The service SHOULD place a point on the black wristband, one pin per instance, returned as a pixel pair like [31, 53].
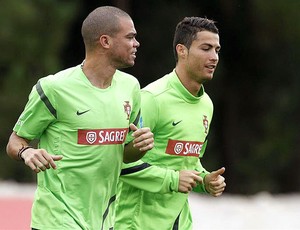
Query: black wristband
[21, 150]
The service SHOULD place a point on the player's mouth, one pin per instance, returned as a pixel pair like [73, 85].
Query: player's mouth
[211, 68]
[133, 54]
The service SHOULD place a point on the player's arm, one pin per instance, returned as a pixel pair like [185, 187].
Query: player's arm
[215, 183]
[139, 139]
[36, 117]
[141, 143]
[157, 179]
[16, 146]
[38, 160]
[200, 188]
[149, 177]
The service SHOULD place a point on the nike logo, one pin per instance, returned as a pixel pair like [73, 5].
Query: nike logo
[176, 123]
[80, 113]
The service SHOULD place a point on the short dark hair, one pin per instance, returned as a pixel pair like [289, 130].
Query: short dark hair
[102, 20]
[187, 29]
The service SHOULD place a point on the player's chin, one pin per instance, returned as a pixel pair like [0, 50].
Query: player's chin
[130, 64]
[127, 64]
[131, 61]
[209, 77]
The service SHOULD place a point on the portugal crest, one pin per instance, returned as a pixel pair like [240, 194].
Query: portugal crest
[127, 109]
[205, 123]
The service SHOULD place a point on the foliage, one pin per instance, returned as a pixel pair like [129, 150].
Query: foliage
[254, 133]
[31, 39]
[255, 89]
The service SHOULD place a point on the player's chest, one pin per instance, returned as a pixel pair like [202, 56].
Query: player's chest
[186, 122]
[97, 110]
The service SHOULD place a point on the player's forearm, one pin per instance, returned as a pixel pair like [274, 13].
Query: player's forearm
[149, 177]
[15, 144]
[132, 154]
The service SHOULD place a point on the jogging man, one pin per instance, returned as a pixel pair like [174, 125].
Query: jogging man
[179, 113]
[85, 119]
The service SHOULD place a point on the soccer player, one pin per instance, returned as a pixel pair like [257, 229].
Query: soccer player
[85, 119]
[179, 113]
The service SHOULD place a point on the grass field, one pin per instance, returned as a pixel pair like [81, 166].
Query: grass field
[229, 212]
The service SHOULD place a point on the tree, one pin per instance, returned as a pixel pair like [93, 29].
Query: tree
[31, 39]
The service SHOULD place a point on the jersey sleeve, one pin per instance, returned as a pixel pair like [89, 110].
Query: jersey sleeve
[37, 114]
[149, 177]
[200, 188]
[149, 111]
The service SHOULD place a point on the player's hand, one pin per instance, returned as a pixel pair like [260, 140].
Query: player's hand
[143, 138]
[188, 179]
[215, 182]
[39, 159]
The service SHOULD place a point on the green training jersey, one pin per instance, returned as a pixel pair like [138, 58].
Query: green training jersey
[180, 123]
[88, 126]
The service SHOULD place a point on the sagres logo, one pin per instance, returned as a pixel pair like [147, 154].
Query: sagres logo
[178, 148]
[184, 148]
[101, 136]
[91, 137]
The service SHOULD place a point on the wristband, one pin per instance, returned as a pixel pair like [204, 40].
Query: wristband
[21, 150]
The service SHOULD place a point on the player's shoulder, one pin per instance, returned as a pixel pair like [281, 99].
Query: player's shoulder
[205, 101]
[125, 78]
[159, 86]
[204, 95]
[57, 79]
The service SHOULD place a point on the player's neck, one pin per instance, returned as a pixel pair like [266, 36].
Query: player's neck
[99, 74]
[188, 82]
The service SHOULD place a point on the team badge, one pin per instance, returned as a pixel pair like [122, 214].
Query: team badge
[127, 109]
[205, 123]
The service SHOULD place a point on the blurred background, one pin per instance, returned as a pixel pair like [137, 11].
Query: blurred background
[255, 131]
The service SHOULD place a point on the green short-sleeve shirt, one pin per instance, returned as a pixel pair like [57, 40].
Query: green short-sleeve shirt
[88, 126]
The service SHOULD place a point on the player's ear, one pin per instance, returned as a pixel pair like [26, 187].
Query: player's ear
[104, 40]
[182, 51]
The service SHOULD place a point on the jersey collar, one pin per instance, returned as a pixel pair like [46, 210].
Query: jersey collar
[177, 85]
